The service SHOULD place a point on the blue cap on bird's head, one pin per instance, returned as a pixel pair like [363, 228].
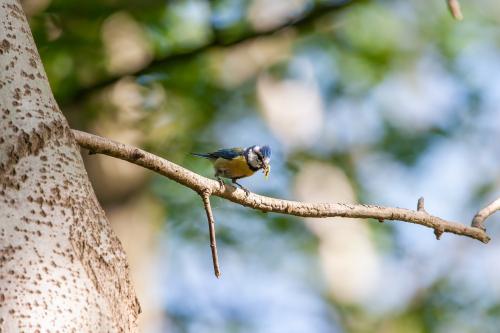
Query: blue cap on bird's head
[265, 151]
[264, 158]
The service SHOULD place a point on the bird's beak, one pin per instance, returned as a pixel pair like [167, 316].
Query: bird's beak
[267, 169]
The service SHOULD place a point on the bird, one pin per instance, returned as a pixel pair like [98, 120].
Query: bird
[237, 163]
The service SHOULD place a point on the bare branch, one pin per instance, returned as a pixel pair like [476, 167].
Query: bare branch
[454, 7]
[205, 196]
[200, 184]
[483, 214]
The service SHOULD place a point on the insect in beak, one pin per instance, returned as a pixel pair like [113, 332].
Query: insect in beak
[267, 170]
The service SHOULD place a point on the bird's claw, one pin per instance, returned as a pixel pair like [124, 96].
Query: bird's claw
[247, 191]
[221, 183]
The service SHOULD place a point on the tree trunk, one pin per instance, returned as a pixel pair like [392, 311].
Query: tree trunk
[61, 266]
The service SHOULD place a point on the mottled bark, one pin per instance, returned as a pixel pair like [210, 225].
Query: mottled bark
[61, 267]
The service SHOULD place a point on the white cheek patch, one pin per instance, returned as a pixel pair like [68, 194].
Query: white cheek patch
[253, 160]
[251, 155]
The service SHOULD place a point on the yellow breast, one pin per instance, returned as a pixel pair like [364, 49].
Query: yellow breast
[235, 168]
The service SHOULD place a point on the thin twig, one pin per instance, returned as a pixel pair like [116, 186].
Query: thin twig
[205, 196]
[420, 205]
[199, 184]
[438, 230]
[454, 7]
[483, 214]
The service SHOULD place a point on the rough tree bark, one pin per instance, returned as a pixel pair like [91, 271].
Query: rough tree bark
[61, 267]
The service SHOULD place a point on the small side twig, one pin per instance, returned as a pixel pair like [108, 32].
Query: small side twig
[483, 214]
[205, 196]
[454, 7]
[420, 205]
[438, 232]
[438, 229]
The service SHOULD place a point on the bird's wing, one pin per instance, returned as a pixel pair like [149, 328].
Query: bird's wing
[228, 154]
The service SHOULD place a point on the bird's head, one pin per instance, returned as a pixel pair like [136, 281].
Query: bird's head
[259, 157]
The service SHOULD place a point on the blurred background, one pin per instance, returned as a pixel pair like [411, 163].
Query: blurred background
[361, 101]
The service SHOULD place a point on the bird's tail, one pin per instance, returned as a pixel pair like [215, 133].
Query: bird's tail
[202, 155]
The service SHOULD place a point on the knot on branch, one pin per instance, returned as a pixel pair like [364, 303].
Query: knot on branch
[438, 231]
[137, 154]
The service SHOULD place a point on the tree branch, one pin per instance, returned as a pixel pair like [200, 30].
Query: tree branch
[454, 8]
[483, 214]
[201, 184]
[205, 196]
[304, 20]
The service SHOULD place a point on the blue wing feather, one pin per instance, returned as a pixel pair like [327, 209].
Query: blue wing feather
[227, 154]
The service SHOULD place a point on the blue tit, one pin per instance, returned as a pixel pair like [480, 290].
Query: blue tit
[237, 163]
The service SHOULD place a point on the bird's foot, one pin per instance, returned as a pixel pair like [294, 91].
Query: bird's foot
[221, 183]
[247, 191]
